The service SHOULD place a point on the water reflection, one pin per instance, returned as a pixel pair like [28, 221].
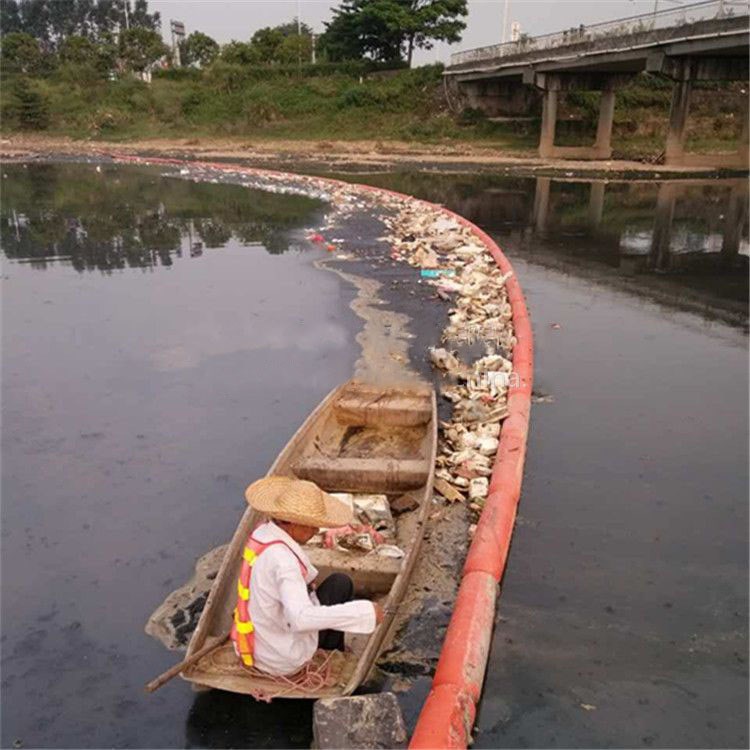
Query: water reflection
[684, 243]
[712, 219]
[222, 720]
[108, 218]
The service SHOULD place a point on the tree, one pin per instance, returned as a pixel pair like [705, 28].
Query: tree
[239, 53]
[28, 105]
[390, 30]
[295, 48]
[34, 18]
[365, 28]
[140, 47]
[20, 53]
[140, 16]
[433, 20]
[10, 16]
[80, 52]
[286, 43]
[293, 28]
[266, 43]
[198, 49]
[53, 21]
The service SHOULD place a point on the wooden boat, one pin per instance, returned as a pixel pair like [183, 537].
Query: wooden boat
[361, 439]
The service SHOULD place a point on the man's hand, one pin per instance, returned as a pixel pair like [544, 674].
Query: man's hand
[379, 613]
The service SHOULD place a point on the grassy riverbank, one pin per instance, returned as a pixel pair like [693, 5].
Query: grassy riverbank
[341, 103]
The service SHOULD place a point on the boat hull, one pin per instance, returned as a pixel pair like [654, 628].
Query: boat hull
[360, 438]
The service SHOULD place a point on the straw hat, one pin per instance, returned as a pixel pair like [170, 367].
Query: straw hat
[297, 501]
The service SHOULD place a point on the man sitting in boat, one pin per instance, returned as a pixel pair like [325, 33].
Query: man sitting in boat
[282, 617]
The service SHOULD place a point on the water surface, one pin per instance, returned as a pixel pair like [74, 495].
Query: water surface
[161, 342]
[163, 339]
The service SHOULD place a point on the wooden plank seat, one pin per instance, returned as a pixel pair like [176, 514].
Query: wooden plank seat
[383, 475]
[363, 405]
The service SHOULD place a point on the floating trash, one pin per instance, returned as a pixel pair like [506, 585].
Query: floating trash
[434, 273]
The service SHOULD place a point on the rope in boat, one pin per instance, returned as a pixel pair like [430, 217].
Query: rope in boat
[312, 678]
[317, 674]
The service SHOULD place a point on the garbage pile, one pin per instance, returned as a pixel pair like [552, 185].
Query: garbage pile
[464, 273]
[373, 531]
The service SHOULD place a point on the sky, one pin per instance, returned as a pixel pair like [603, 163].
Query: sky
[225, 20]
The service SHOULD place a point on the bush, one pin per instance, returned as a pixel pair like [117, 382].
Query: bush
[192, 101]
[20, 53]
[130, 93]
[178, 74]
[79, 74]
[166, 102]
[261, 112]
[226, 77]
[107, 120]
[28, 106]
[359, 96]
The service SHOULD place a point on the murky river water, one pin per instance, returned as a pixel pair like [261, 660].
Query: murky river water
[161, 341]
[136, 406]
[623, 617]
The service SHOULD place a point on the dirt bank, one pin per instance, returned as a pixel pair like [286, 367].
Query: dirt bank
[339, 155]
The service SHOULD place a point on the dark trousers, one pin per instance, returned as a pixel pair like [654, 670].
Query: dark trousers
[336, 589]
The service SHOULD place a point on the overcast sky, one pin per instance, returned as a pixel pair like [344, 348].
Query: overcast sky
[225, 20]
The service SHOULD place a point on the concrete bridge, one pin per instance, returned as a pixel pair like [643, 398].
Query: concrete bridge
[703, 41]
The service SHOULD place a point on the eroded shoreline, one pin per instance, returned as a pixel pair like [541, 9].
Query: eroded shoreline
[348, 156]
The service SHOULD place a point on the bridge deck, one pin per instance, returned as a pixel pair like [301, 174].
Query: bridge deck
[616, 48]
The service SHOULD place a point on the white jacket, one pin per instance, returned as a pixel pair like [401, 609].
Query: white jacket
[286, 617]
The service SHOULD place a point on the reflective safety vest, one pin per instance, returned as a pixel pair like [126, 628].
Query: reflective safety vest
[242, 632]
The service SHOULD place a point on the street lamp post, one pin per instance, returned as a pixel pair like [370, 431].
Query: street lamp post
[299, 33]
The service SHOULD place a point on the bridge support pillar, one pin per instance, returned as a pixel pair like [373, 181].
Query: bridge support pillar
[674, 152]
[603, 144]
[684, 71]
[549, 123]
[551, 86]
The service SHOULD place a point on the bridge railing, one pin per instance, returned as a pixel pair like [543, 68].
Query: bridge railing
[671, 17]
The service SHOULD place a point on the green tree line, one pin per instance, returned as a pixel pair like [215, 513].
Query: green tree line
[121, 35]
[135, 221]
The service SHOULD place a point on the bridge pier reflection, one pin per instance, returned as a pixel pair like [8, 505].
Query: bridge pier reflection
[541, 204]
[734, 222]
[541, 207]
[596, 203]
[661, 239]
